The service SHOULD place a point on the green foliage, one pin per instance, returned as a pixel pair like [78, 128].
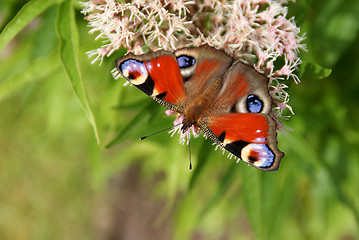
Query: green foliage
[53, 171]
[27, 13]
[69, 48]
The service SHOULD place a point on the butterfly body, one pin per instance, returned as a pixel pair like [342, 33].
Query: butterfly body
[228, 100]
[196, 109]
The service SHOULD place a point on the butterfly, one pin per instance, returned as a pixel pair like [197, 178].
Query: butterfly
[226, 99]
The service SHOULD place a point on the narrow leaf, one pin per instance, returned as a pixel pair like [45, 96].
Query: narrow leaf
[313, 71]
[203, 156]
[34, 71]
[144, 115]
[252, 198]
[27, 13]
[69, 47]
[223, 186]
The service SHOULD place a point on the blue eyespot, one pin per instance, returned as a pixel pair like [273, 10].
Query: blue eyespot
[254, 104]
[134, 71]
[185, 61]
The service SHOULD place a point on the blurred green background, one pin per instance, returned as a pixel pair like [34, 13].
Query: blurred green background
[56, 182]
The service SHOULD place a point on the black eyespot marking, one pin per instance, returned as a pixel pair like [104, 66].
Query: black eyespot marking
[252, 159]
[185, 79]
[236, 147]
[222, 136]
[185, 61]
[132, 69]
[147, 86]
[254, 104]
[161, 95]
[233, 109]
[130, 76]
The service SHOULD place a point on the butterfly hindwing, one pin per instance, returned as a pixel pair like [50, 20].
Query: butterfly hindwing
[240, 120]
[247, 136]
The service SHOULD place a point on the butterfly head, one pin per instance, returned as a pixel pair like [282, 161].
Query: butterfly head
[186, 124]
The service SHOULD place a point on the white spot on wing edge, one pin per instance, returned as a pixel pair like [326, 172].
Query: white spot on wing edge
[265, 155]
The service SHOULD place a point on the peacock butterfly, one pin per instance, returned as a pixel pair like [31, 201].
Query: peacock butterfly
[228, 100]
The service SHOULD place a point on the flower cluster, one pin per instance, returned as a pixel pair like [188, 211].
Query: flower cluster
[255, 31]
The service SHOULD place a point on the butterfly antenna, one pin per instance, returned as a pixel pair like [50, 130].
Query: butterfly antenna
[190, 159]
[142, 138]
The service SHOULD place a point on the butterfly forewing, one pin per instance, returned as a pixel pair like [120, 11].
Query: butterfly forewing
[209, 65]
[156, 74]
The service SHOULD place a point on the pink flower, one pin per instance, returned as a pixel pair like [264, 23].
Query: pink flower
[177, 128]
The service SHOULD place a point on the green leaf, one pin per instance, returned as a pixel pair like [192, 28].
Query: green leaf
[144, 115]
[34, 71]
[223, 186]
[27, 13]
[203, 156]
[313, 71]
[69, 47]
[331, 30]
[132, 105]
[252, 198]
